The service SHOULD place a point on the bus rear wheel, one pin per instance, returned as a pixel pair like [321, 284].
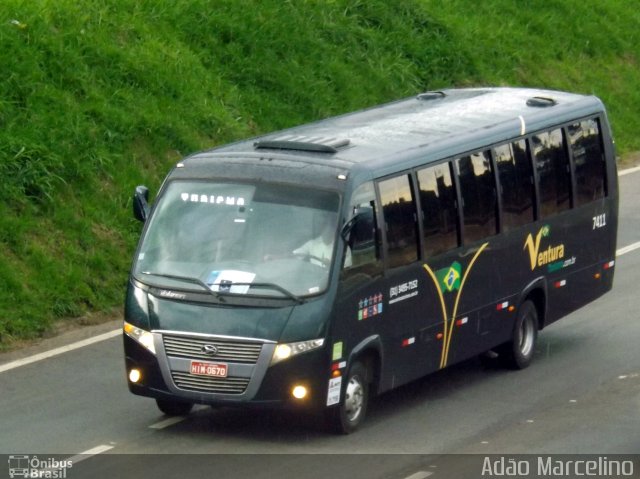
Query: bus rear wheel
[174, 408]
[518, 353]
[349, 414]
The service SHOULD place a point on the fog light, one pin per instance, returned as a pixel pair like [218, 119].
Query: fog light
[299, 392]
[135, 375]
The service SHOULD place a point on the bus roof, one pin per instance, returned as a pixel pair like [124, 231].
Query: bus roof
[388, 138]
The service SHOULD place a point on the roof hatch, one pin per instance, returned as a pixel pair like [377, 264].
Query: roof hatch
[431, 95]
[303, 143]
[541, 101]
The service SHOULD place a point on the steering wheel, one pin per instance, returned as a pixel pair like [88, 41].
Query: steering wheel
[316, 260]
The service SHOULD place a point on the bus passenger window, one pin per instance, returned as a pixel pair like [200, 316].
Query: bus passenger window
[478, 196]
[439, 212]
[399, 213]
[554, 172]
[588, 160]
[363, 251]
[516, 184]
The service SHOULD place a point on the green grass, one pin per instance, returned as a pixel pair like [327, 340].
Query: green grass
[97, 96]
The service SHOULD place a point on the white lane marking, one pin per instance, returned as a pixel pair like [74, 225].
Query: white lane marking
[629, 171]
[419, 475]
[628, 249]
[63, 349]
[168, 422]
[89, 453]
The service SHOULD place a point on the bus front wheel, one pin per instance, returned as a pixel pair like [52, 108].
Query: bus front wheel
[518, 353]
[349, 414]
[174, 408]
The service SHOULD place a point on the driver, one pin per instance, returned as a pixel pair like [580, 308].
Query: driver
[320, 249]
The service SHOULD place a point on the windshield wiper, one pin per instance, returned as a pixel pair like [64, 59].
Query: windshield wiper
[187, 279]
[272, 286]
[218, 294]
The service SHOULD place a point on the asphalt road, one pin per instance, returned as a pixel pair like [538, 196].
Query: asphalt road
[580, 396]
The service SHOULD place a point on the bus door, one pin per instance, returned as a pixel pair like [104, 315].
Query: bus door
[360, 300]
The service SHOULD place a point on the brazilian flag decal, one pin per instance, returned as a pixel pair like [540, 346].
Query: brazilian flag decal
[449, 278]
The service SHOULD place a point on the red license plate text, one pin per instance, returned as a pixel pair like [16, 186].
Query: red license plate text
[209, 369]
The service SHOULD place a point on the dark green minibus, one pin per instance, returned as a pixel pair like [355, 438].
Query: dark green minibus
[313, 267]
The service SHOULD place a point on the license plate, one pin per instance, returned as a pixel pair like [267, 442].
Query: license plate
[209, 369]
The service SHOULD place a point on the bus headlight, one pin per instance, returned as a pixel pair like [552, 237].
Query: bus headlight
[286, 350]
[142, 337]
[135, 375]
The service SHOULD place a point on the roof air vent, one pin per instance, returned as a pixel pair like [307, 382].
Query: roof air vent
[431, 95]
[303, 143]
[541, 101]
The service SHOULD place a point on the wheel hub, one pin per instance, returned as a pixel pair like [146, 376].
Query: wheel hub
[354, 399]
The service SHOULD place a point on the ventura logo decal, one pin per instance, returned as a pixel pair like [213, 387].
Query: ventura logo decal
[539, 258]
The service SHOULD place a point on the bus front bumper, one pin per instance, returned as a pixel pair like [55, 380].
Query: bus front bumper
[161, 377]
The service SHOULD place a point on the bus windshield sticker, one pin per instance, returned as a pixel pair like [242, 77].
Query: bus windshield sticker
[370, 306]
[337, 351]
[333, 393]
[403, 291]
[539, 258]
[213, 199]
[222, 281]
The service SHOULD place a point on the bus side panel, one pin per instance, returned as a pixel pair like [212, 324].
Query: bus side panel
[399, 309]
[469, 282]
[570, 252]
[585, 272]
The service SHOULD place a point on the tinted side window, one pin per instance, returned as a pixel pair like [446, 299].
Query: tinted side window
[553, 170]
[588, 160]
[439, 213]
[363, 252]
[478, 196]
[399, 215]
[516, 184]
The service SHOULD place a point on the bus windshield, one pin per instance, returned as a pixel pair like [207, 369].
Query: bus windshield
[250, 239]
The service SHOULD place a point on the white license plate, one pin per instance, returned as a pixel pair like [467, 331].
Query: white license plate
[209, 369]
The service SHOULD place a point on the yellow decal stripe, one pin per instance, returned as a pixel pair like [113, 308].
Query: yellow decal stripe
[455, 307]
[444, 310]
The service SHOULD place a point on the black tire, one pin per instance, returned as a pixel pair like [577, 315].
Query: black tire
[174, 408]
[349, 414]
[518, 353]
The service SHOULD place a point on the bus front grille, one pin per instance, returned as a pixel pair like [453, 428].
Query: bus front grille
[225, 350]
[192, 382]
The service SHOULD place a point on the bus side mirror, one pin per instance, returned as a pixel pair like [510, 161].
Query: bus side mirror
[345, 232]
[360, 228]
[141, 203]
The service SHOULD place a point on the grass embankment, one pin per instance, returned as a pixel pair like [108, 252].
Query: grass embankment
[96, 97]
